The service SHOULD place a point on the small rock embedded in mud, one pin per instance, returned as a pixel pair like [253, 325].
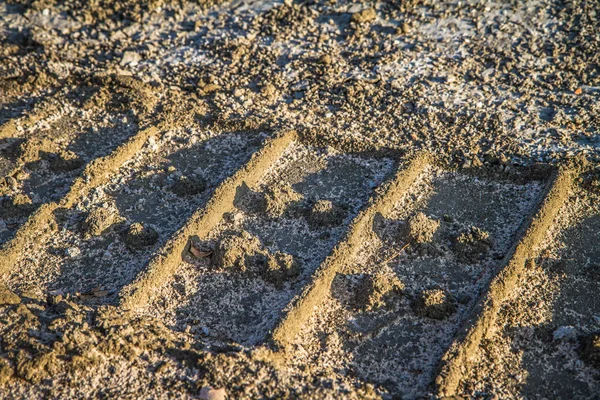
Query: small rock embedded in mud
[472, 245]
[374, 290]
[139, 236]
[73, 252]
[7, 297]
[189, 186]
[590, 349]
[364, 16]
[434, 303]
[200, 249]
[130, 58]
[99, 220]
[420, 228]
[564, 333]
[325, 213]
[208, 393]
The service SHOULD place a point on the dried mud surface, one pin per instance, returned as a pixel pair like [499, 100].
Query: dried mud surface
[120, 121]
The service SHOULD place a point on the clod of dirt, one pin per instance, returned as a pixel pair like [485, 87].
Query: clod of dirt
[420, 228]
[590, 349]
[240, 252]
[276, 201]
[189, 186]
[325, 213]
[99, 220]
[364, 16]
[64, 161]
[272, 203]
[6, 372]
[17, 205]
[472, 245]
[139, 236]
[7, 297]
[325, 59]
[374, 291]
[10, 182]
[434, 303]
[36, 369]
[280, 268]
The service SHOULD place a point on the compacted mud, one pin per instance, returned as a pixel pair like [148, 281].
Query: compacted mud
[426, 263]
[299, 199]
[546, 340]
[266, 249]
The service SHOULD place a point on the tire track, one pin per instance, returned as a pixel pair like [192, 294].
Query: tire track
[483, 317]
[162, 266]
[301, 311]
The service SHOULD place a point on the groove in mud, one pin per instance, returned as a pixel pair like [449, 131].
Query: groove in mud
[42, 161]
[109, 231]
[544, 341]
[42, 224]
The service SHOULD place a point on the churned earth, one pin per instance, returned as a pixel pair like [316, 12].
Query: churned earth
[299, 199]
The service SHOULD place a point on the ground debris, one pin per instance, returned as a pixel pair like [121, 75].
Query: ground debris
[374, 290]
[435, 304]
[139, 235]
[420, 228]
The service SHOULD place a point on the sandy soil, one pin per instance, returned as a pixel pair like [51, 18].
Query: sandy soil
[299, 199]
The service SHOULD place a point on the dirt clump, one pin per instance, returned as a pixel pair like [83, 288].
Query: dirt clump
[375, 290]
[435, 304]
[281, 267]
[189, 186]
[473, 244]
[243, 252]
[325, 213]
[364, 16]
[64, 161]
[590, 349]
[277, 200]
[420, 228]
[271, 203]
[99, 220]
[16, 206]
[6, 372]
[239, 251]
[138, 236]
[7, 297]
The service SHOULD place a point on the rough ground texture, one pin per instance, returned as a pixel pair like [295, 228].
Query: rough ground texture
[193, 89]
